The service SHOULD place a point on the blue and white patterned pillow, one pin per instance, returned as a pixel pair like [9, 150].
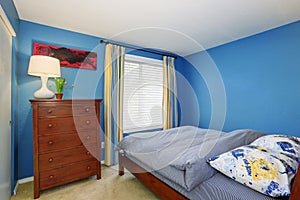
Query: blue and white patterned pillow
[285, 144]
[261, 168]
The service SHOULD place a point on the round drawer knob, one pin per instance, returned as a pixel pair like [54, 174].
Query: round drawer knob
[51, 177]
[50, 142]
[87, 110]
[88, 122]
[50, 125]
[88, 137]
[49, 111]
[88, 153]
[50, 160]
[88, 168]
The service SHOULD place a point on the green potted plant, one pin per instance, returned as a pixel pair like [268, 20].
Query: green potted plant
[59, 85]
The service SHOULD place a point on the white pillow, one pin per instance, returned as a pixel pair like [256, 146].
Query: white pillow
[266, 171]
[285, 144]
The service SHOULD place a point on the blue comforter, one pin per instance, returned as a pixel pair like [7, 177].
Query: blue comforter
[184, 151]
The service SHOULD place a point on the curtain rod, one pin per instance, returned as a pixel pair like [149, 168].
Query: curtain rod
[139, 49]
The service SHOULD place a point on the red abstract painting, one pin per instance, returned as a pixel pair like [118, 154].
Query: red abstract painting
[68, 57]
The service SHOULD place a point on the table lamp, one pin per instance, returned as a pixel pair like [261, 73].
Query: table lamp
[44, 66]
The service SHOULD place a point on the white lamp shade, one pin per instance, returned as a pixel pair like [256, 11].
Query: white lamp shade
[44, 66]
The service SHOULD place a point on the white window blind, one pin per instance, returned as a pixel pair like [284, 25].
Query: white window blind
[143, 91]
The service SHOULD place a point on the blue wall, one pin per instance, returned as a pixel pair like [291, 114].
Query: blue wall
[259, 77]
[11, 12]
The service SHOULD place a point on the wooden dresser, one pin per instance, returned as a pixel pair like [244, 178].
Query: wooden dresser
[66, 141]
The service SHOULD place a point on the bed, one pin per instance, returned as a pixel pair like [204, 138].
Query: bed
[173, 163]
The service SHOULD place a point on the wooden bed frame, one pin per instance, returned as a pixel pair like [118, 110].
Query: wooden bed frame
[164, 191]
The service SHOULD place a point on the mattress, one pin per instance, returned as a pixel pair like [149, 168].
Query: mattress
[181, 154]
[218, 187]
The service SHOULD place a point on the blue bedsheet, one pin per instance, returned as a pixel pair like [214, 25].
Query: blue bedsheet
[180, 154]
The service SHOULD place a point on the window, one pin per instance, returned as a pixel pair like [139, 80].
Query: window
[143, 92]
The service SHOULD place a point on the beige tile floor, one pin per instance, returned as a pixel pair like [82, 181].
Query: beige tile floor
[111, 186]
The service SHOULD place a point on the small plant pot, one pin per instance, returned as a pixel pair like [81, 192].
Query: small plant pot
[59, 95]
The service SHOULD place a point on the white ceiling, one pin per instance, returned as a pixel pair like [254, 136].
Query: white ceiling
[179, 26]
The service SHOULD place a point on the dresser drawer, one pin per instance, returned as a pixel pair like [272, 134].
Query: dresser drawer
[67, 124]
[68, 173]
[66, 110]
[63, 157]
[67, 140]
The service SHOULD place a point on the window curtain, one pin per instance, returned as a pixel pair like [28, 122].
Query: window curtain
[170, 112]
[113, 100]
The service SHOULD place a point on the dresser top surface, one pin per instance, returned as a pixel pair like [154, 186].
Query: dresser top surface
[64, 100]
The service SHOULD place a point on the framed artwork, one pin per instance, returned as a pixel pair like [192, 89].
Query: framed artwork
[68, 57]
